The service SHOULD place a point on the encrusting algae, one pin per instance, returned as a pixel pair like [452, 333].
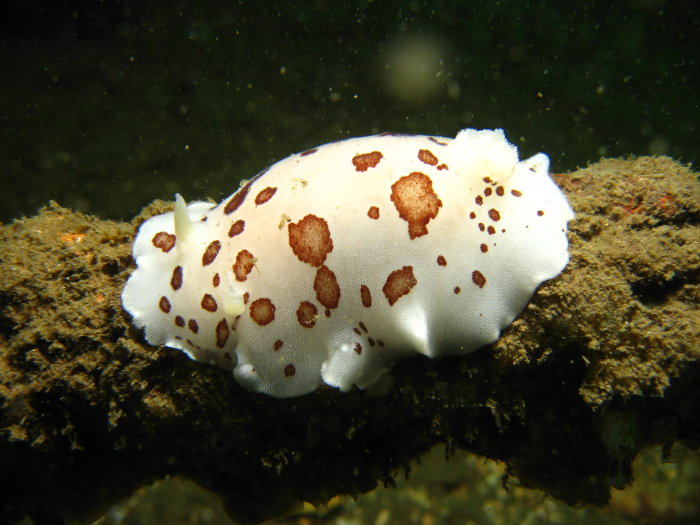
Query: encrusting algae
[603, 362]
[628, 301]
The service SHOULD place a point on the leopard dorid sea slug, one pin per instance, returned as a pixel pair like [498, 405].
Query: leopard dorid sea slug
[337, 262]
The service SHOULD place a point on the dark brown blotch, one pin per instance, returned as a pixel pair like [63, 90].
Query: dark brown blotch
[416, 202]
[265, 195]
[164, 241]
[211, 252]
[176, 279]
[222, 333]
[208, 303]
[310, 240]
[399, 283]
[164, 305]
[262, 311]
[365, 296]
[306, 314]
[364, 161]
[236, 228]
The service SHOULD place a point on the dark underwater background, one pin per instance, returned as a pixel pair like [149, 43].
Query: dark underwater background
[108, 105]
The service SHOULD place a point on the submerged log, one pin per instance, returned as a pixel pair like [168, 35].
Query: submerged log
[604, 361]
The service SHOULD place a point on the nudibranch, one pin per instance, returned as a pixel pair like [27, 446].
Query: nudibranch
[337, 262]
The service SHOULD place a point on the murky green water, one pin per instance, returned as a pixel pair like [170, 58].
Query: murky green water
[107, 106]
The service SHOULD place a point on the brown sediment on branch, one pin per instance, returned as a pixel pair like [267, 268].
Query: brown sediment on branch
[603, 361]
